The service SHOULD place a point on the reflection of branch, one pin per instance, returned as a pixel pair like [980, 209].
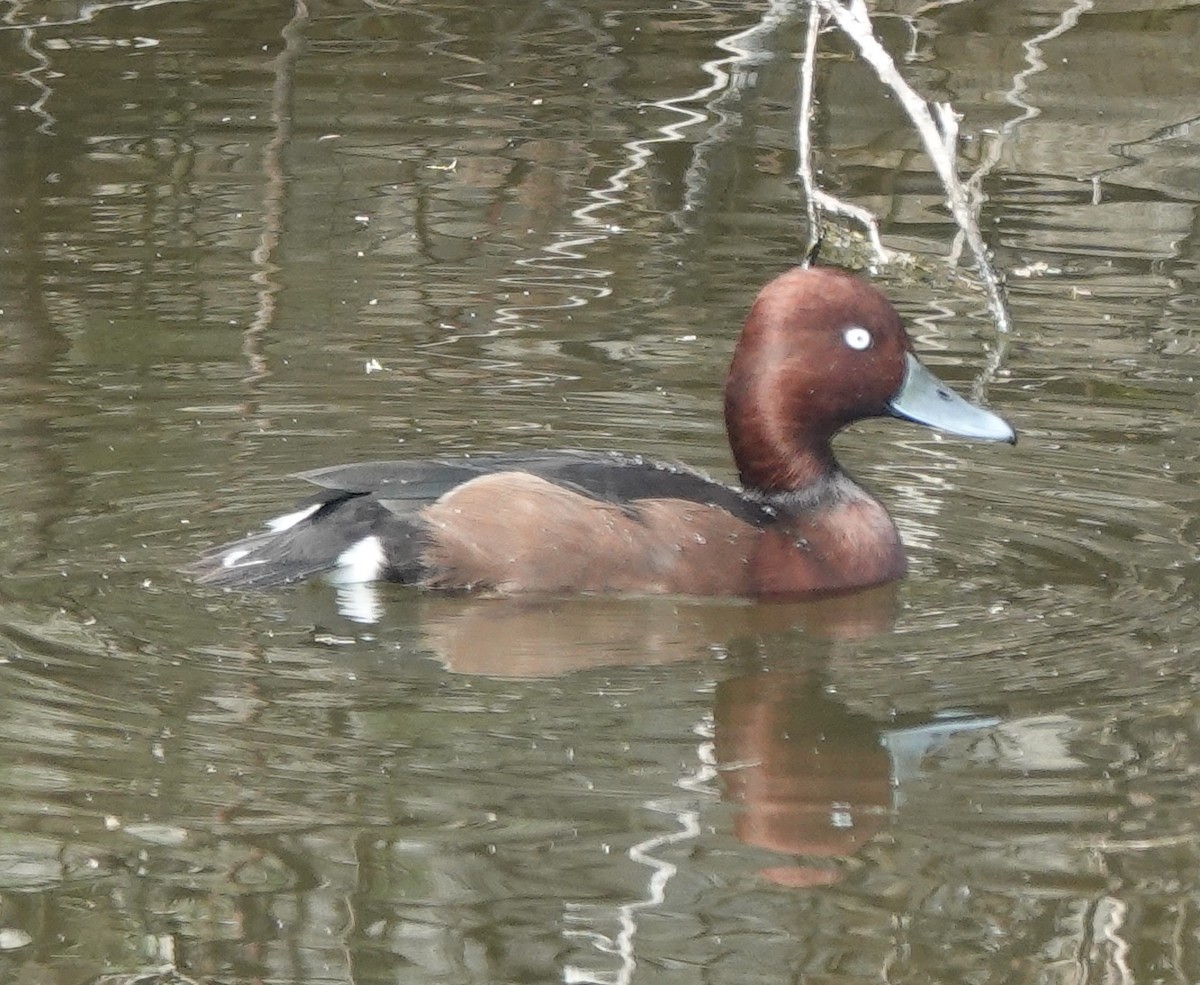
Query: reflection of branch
[622, 945]
[273, 198]
[81, 13]
[1033, 58]
[728, 79]
[34, 77]
[937, 125]
[32, 19]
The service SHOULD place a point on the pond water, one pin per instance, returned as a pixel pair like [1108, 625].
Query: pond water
[241, 240]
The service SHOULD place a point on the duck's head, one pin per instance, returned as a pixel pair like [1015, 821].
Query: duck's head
[819, 350]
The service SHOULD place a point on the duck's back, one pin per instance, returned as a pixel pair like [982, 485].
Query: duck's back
[520, 521]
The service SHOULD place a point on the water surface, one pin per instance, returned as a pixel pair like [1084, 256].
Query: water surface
[243, 240]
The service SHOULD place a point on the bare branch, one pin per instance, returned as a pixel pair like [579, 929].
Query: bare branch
[937, 125]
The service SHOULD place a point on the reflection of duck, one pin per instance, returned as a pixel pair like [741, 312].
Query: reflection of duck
[812, 779]
[548, 637]
[819, 350]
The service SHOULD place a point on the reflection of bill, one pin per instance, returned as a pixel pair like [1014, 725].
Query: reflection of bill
[812, 779]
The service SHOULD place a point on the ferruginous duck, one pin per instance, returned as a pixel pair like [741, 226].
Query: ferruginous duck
[820, 349]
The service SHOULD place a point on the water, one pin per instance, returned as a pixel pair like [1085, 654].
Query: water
[240, 241]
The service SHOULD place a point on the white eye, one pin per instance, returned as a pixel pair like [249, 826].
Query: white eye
[857, 337]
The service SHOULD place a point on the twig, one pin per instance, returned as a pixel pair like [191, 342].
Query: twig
[937, 124]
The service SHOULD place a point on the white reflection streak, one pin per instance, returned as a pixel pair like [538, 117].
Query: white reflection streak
[1033, 58]
[1014, 96]
[86, 13]
[12, 22]
[32, 76]
[728, 75]
[688, 819]
[1110, 914]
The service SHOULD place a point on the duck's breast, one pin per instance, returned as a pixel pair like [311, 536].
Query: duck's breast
[848, 544]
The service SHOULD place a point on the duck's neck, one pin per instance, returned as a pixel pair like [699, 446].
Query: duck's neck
[774, 462]
[780, 446]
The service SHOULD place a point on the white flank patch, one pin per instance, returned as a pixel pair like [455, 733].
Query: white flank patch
[289, 520]
[362, 561]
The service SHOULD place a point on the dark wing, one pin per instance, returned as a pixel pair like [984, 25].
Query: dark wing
[609, 476]
[315, 544]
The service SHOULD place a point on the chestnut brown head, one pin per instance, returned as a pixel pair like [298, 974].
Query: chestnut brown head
[821, 349]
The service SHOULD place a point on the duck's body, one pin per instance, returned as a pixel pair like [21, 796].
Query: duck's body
[819, 349]
[604, 522]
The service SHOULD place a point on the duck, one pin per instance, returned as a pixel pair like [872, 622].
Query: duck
[820, 349]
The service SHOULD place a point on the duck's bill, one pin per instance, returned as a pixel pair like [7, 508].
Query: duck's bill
[924, 399]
